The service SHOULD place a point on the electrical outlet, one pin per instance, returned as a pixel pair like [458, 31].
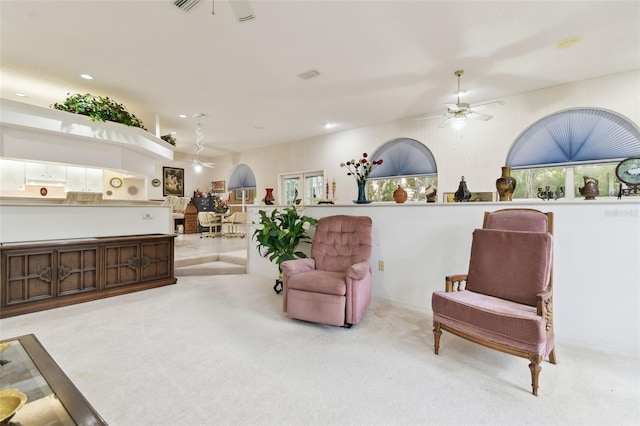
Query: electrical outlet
[381, 265]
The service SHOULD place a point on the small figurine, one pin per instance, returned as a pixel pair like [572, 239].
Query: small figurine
[462, 194]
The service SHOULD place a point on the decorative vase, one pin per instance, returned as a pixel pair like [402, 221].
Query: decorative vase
[362, 192]
[400, 195]
[462, 194]
[269, 198]
[506, 184]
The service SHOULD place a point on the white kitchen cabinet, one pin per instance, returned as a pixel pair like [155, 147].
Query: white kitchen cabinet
[11, 175]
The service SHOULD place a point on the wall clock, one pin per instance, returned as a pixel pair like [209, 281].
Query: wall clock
[628, 171]
[115, 182]
[155, 182]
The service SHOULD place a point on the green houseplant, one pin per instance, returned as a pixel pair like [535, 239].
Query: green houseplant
[98, 108]
[278, 234]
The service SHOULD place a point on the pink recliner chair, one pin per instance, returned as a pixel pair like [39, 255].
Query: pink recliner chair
[333, 286]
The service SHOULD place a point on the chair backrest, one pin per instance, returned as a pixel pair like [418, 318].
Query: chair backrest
[170, 200]
[208, 218]
[238, 217]
[512, 265]
[341, 241]
[519, 220]
[181, 204]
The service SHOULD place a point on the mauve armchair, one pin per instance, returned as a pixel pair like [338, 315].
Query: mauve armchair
[333, 286]
[505, 300]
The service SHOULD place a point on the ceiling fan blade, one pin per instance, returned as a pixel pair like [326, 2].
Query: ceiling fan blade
[242, 10]
[476, 116]
[426, 117]
[486, 105]
[446, 122]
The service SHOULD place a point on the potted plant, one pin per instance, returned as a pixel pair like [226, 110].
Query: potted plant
[98, 108]
[278, 234]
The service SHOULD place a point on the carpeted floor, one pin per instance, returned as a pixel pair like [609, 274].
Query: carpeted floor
[219, 351]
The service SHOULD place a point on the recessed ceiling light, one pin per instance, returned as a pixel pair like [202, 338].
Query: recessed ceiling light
[22, 95]
[182, 116]
[330, 125]
[568, 42]
[86, 76]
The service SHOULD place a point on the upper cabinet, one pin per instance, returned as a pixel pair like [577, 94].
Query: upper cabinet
[84, 179]
[12, 175]
[37, 173]
[18, 175]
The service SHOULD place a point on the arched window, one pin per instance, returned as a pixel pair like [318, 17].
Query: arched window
[563, 147]
[408, 163]
[242, 184]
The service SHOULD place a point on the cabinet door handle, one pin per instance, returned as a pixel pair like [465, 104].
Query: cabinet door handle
[145, 261]
[133, 263]
[46, 273]
[63, 272]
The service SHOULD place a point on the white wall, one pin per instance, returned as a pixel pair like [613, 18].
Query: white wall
[477, 151]
[596, 260]
[38, 222]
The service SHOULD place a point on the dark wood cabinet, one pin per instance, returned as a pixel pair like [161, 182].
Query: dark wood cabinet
[37, 276]
[202, 204]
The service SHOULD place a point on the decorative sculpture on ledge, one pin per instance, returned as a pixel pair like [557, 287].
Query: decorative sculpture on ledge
[548, 194]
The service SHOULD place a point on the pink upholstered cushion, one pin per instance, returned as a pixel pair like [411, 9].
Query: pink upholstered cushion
[491, 318]
[517, 220]
[341, 241]
[319, 282]
[510, 265]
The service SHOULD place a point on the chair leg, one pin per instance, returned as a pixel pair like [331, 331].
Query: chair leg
[535, 368]
[436, 336]
[552, 356]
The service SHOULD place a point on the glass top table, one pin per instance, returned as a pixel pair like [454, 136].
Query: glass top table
[52, 399]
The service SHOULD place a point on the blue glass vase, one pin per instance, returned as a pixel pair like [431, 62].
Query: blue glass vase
[362, 192]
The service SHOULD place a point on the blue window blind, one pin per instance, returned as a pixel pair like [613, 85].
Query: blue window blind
[403, 157]
[575, 135]
[242, 178]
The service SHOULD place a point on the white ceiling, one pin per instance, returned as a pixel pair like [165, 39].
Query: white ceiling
[378, 60]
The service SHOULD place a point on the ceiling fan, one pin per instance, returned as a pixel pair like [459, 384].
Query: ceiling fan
[458, 113]
[197, 163]
[241, 8]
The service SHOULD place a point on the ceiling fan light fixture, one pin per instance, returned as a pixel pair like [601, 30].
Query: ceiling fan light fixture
[197, 168]
[458, 122]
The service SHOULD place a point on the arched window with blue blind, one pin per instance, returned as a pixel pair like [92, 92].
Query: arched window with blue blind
[575, 136]
[403, 157]
[242, 177]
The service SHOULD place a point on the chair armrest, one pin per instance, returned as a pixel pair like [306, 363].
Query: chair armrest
[544, 307]
[358, 271]
[455, 282]
[295, 266]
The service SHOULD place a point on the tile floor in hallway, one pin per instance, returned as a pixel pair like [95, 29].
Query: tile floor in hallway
[189, 246]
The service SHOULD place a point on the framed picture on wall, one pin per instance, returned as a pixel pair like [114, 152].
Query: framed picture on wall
[217, 186]
[172, 181]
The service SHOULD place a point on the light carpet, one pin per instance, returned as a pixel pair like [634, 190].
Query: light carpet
[219, 351]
